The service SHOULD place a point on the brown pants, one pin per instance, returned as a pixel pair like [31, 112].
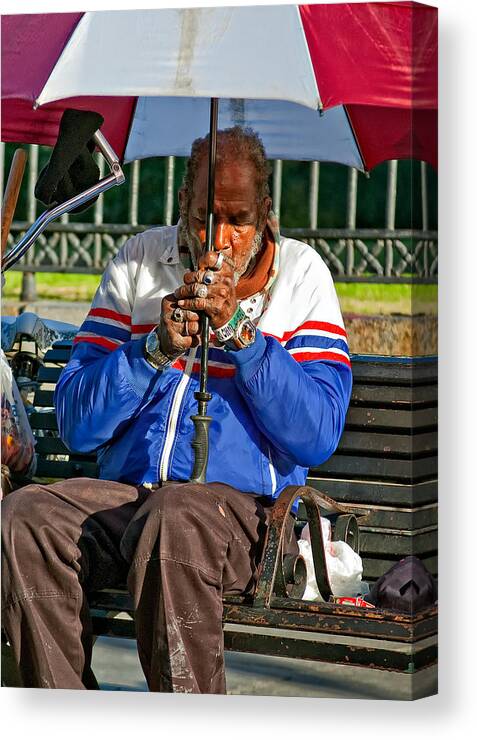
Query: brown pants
[180, 548]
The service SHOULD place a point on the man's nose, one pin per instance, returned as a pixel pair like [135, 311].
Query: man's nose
[222, 237]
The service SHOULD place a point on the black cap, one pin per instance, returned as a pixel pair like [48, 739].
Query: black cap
[406, 587]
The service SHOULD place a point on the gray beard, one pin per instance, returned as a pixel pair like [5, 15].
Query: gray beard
[195, 247]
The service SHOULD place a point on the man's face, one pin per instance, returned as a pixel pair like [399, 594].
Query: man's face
[239, 217]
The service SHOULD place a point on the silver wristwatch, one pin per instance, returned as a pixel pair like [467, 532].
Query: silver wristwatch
[153, 353]
[238, 333]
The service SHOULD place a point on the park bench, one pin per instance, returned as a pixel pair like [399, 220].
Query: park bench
[383, 476]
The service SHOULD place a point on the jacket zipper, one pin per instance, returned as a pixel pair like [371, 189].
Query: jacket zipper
[273, 474]
[173, 416]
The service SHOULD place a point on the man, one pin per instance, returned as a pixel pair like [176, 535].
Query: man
[280, 380]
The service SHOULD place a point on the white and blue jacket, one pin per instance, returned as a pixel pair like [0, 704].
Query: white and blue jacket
[278, 407]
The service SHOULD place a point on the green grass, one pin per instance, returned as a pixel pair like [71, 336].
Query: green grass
[387, 298]
[53, 286]
[368, 298]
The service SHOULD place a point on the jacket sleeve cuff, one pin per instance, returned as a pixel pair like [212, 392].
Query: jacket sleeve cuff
[146, 378]
[247, 361]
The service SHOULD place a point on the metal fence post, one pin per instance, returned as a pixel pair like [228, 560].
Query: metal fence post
[169, 199]
[134, 193]
[425, 217]
[277, 187]
[28, 290]
[314, 197]
[391, 195]
[64, 241]
[98, 219]
[351, 204]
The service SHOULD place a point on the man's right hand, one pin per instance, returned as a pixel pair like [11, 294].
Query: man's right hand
[179, 329]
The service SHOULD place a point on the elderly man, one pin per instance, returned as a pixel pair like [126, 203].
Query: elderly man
[280, 379]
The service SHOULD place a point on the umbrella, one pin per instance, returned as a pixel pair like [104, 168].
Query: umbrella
[350, 83]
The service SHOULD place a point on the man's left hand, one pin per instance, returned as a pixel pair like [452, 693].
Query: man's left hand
[210, 290]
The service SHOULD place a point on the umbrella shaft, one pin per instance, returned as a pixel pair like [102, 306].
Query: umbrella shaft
[201, 421]
[209, 247]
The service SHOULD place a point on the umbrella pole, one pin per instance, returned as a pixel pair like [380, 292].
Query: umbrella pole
[201, 421]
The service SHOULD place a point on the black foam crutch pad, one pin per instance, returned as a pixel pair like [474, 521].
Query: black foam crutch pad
[71, 168]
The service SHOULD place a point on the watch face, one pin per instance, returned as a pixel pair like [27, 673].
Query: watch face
[152, 343]
[246, 332]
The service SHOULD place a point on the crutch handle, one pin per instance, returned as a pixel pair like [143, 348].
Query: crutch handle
[12, 191]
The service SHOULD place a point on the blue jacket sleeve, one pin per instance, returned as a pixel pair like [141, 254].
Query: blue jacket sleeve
[107, 381]
[299, 407]
[100, 392]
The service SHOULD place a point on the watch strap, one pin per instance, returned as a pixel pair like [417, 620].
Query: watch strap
[227, 332]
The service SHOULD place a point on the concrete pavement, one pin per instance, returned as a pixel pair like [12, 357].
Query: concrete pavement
[117, 668]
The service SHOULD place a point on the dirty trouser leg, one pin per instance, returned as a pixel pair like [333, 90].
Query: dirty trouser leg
[189, 544]
[58, 541]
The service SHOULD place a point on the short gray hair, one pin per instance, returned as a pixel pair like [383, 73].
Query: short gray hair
[243, 144]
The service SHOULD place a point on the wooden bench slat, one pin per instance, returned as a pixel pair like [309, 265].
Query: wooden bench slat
[44, 398]
[366, 418]
[49, 374]
[359, 466]
[388, 517]
[335, 652]
[408, 519]
[394, 371]
[379, 395]
[286, 613]
[66, 469]
[56, 446]
[43, 420]
[388, 444]
[376, 492]
[415, 543]
[58, 354]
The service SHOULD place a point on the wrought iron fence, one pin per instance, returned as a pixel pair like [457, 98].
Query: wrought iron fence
[354, 254]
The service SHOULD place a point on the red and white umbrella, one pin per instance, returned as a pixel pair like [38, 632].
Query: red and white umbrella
[350, 83]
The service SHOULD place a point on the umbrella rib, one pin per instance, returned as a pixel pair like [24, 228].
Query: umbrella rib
[348, 117]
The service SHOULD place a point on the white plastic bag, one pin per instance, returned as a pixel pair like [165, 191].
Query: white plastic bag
[18, 443]
[345, 566]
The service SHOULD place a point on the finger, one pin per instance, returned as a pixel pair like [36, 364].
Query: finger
[191, 328]
[222, 290]
[217, 261]
[193, 277]
[198, 290]
[168, 303]
[172, 315]
[195, 304]
[188, 342]
[191, 316]
[207, 277]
